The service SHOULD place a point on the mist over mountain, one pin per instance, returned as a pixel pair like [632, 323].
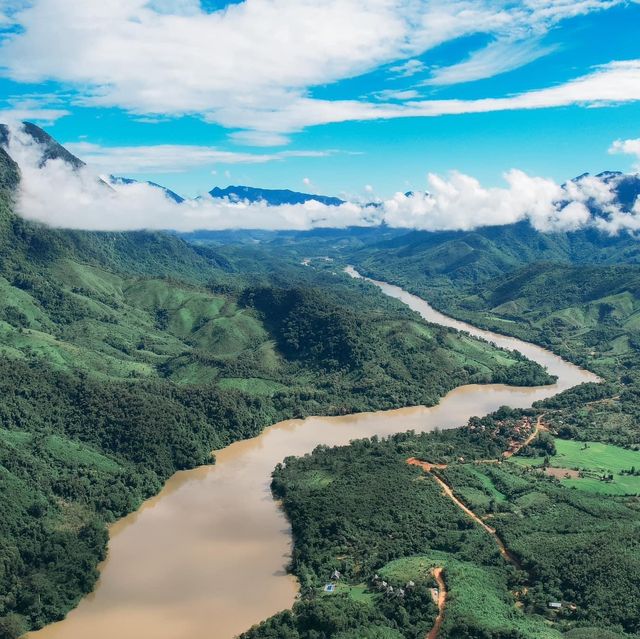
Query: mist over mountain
[58, 189]
[50, 148]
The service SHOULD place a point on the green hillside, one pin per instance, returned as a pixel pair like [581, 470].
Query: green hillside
[129, 356]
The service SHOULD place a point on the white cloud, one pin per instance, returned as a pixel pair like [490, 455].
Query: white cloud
[57, 195]
[400, 95]
[44, 109]
[629, 147]
[518, 42]
[462, 203]
[612, 83]
[172, 158]
[408, 68]
[252, 65]
[259, 138]
[45, 117]
[498, 57]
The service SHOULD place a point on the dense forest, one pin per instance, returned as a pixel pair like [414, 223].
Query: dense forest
[362, 510]
[128, 356]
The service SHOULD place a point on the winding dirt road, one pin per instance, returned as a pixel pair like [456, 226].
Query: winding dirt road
[442, 602]
[448, 492]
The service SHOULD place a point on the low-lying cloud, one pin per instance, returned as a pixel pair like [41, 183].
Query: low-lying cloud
[58, 195]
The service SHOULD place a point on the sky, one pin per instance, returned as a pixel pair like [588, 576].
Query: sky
[344, 97]
[359, 98]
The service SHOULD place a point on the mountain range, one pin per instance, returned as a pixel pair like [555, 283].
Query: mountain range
[625, 186]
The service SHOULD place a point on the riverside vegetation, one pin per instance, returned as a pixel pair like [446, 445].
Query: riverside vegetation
[574, 538]
[129, 356]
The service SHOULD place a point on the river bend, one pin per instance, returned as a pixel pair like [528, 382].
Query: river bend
[206, 557]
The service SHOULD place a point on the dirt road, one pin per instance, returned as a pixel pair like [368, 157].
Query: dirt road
[442, 602]
[448, 491]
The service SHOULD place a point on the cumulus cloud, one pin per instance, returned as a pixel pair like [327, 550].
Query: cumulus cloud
[251, 66]
[58, 195]
[460, 202]
[629, 147]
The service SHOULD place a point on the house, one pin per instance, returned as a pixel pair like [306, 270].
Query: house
[555, 605]
[336, 575]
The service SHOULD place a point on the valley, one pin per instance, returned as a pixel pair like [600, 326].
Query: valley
[137, 354]
[224, 511]
[129, 356]
[319, 319]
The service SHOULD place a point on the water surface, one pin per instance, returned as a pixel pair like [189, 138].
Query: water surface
[205, 559]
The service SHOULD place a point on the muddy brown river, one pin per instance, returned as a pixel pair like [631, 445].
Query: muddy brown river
[205, 559]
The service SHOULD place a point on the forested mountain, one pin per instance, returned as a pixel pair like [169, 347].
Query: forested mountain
[272, 197]
[128, 356]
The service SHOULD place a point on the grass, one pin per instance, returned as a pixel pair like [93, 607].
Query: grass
[468, 349]
[68, 451]
[487, 483]
[595, 460]
[117, 334]
[359, 592]
[318, 479]
[76, 453]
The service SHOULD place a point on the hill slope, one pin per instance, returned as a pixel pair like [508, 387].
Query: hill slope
[128, 356]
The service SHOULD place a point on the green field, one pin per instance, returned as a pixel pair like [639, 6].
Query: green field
[594, 461]
[359, 592]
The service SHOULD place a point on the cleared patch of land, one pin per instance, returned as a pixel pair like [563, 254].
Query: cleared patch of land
[593, 466]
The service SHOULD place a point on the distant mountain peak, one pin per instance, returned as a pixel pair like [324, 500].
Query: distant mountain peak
[172, 195]
[273, 197]
[51, 149]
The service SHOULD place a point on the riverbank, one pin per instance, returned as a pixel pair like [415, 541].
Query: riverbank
[211, 550]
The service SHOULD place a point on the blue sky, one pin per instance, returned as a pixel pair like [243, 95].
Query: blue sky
[340, 97]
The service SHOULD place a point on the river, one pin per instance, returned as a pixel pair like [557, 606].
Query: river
[206, 557]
